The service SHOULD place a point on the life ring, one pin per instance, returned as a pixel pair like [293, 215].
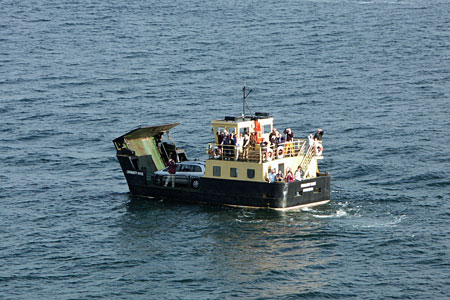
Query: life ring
[280, 152]
[217, 152]
[269, 155]
[319, 149]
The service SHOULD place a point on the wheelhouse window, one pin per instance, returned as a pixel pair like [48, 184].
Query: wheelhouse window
[216, 171]
[233, 172]
[228, 129]
[221, 131]
[267, 128]
[251, 173]
[244, 130]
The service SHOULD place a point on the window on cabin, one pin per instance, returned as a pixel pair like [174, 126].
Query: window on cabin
[244, 130]
[216, 171]
[222, 129]
[281, 167]
[228, 129]
[267, 128]
[233, 172]
[251, 173]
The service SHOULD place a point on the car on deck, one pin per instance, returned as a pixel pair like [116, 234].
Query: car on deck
[188, 173]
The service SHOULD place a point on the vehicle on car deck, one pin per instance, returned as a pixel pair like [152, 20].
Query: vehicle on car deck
[188, 173]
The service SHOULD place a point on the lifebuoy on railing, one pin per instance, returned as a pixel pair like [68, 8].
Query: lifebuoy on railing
[280, 152]
[269, 154]
[318, 149]
[217, 152]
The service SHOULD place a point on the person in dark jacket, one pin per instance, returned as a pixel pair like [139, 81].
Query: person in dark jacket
[279, 177]
[289, 141]
[318, 135]
[172, 171]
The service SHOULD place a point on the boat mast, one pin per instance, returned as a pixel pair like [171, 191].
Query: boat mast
[245, 98]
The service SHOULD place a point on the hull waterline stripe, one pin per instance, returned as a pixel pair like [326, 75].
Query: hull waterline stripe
[282, 209]
[252, 207]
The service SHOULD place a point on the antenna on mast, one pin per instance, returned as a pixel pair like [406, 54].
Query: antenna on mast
[245, 98]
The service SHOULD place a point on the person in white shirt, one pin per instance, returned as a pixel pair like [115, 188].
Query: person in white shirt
[299, 174]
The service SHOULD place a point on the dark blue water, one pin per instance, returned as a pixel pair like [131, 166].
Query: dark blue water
[76, 74]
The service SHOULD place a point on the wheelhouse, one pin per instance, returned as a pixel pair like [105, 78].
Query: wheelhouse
[234, 162]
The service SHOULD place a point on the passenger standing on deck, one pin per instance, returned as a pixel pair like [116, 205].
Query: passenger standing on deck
[318, 135]
[280, 140]
[318, 146]
[245, 144]
[289, 141]
[272, 176]
[224, 138]
[220, 137]
[289, 176]
[172, 171]
[280, 177]
[239, 141]
[257, 126]
[253, 139]
[299, 174]
[263, 150]
[232, 146]
[227, 140]
[273, 135]
[279, 152]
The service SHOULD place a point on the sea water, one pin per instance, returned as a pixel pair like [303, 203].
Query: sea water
[74, 75]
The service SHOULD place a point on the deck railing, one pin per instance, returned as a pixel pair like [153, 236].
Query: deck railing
[258, 153]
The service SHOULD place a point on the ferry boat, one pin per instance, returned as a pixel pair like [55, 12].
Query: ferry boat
[234, 174]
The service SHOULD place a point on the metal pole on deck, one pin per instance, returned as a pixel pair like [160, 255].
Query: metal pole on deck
[243, 104]
[245, 98]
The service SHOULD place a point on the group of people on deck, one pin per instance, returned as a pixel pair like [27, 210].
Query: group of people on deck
[230, 142]
[282, 144]
[273, 176]
[278, 144]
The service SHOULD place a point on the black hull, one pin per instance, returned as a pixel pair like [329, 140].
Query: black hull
[281, 195]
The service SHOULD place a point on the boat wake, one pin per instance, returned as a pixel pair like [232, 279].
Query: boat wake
[340, 213]
[383, 222]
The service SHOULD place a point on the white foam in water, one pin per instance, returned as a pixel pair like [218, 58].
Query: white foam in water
[339, 214]
[385, 223]
[307, 209]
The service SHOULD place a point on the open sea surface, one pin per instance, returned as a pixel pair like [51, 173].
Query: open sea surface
[74, 75]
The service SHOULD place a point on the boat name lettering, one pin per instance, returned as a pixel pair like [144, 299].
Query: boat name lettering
[135, 173]
[308, 184]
